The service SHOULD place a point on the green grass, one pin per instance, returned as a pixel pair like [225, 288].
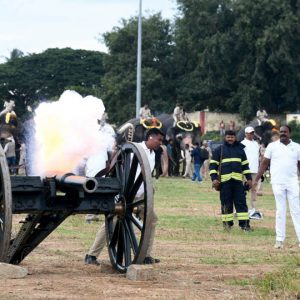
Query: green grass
[190, 220]
[190, 213]
[282, 284]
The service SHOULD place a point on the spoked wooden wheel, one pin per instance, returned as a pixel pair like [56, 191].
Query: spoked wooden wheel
[5, 207]
[128, 228]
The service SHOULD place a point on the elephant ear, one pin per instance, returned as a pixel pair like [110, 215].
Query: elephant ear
[140, 134]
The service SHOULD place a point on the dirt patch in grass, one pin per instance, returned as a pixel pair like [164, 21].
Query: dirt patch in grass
[57, 271]
[198, 259]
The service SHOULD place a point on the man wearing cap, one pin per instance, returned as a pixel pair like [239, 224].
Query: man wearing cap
[228, 167]
[252, 152]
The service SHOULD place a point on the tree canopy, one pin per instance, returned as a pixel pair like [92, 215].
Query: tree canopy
[119, 82]
[227, 55]
[38, 77]
[242, 54]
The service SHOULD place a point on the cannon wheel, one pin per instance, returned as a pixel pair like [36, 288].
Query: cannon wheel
[5, 207]
[128, 228]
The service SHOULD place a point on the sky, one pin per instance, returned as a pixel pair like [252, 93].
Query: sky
[33, 26]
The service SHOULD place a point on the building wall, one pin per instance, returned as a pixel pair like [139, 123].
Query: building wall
[293, 117]
[210, 121]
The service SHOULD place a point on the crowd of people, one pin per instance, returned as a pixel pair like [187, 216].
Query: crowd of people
[223, 127]
[233, 161]
[15, 153]
[238, 167]
[189, 161]
[233, 167]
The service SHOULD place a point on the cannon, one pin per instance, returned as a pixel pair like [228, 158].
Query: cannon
[42, 204]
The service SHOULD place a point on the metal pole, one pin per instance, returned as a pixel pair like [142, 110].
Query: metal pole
[139, 64]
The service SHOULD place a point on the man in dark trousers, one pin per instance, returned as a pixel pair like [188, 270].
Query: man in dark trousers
[198, 162]
[228, 167]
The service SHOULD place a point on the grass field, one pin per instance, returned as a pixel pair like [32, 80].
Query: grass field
[199, 260]
[189, 213]
[190, 238]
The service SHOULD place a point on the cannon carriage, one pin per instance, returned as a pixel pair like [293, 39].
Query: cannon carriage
[42, 204]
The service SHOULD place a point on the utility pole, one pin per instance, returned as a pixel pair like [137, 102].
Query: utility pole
[139, 64]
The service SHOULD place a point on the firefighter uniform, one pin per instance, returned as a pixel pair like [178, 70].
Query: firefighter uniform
[234, 166]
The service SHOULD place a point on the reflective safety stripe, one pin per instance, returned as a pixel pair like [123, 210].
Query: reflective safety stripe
[242, 216]
[227, 218]
[214, 162]
[233, 175]
[245, 162]
[246, 172]
[213, 172]
[226, 160]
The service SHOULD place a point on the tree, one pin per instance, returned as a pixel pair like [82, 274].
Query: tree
[38, 77]
[242, 54]
[119, 83]
[15, 53]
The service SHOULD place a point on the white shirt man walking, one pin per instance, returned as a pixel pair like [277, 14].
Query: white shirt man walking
[283, 156]
[154, 139]
[252, 152]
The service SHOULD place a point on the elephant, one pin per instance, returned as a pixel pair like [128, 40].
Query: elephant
[185, 132]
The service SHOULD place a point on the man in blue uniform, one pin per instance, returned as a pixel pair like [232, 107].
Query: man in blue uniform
[228, 167]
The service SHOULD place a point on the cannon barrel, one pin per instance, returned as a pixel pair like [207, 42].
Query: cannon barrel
[88, 184]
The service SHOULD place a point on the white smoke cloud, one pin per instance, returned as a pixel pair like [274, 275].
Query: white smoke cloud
[67, 131]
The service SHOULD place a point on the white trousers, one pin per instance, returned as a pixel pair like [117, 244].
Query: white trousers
[283, 192]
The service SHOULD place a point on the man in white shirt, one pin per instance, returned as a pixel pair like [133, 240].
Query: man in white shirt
[177, 113]
[10, 153]
[154, 139]
[283, 156]
[262, 116]
[252, 152]
[145, 112]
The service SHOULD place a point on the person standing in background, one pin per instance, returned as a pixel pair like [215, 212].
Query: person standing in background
[222, 128]
[198, 161]
[10, 153]
[231, 125]
[205, 167]
[259, 188]
[252, 152]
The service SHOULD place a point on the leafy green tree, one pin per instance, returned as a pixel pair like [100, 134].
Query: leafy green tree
[242, 54]
[38, 77]
[15, 53]
[119, 82]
